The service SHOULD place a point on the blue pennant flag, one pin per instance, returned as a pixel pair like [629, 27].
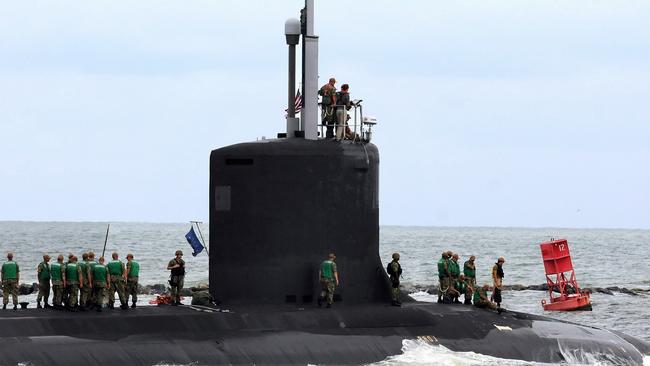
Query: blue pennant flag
[194, 241]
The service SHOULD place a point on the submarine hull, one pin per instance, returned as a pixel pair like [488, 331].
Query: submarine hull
[282, 334]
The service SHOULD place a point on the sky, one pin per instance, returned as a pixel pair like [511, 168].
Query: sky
[491, 113]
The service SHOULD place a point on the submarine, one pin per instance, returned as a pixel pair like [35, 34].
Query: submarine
[277, 208]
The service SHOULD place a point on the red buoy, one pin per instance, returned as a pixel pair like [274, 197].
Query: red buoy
[563, 288]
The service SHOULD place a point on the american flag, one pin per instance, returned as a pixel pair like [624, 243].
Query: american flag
[297, 103]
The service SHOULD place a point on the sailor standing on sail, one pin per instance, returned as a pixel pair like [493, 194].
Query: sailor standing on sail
[328, 92]
[177, 277]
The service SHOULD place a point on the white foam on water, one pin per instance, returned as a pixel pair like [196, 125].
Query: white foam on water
[418, 352]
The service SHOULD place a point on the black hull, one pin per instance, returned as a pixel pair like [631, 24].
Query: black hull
[354, 334]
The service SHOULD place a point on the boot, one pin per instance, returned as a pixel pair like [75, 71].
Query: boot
[4, 307]
[133, 305]
[15, 307]
[38, 305]
[47, 306]
[320, 301]
[124, 307]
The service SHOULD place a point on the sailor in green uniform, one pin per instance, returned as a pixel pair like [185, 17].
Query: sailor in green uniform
[57, 272]
[117, 274]
[176, 277]
[454, 273]
[85, 290]
[10, 278]
[395, 271]
[469, 269]
[443, 276]
[74, 281]
[132, 273]
[100, 280]
[91, 264]
[329, 279]
[43, 275]
[66, 294]
[481, 298]
[461, 288]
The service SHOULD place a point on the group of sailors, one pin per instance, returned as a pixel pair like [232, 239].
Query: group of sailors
[87, 284]
[334, 110]
[453, 283]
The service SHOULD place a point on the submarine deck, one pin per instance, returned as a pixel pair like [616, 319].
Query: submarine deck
[282, 334]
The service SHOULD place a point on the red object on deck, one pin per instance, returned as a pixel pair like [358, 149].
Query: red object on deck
[563, 288]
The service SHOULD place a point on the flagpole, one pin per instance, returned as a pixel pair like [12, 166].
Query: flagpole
[106, 239]
[201, 234]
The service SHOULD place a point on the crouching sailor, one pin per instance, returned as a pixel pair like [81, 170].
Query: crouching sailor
[482, 300]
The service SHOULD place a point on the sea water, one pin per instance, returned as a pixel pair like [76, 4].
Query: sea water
[601, 257]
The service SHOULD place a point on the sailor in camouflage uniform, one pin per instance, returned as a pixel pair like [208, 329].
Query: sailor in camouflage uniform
[132, 273]
[395, 271]
[43, 275]
[177, 277]
[10, 278]
[57, 272]
[117, 274]
[74, 279]
[100, 281]
[329, 279]
[86, 289]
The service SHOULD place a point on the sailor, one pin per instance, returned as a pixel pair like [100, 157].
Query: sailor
[132, 273]
[85, 288]
[454, 273]
[176, 277]
[343, 105]
[100, 280]
[117, 275]
[57, 271]
[443, 276]
[461, 289]
[497, 279]
[43, 275]
[10, 278]
[66, 294]
[481, 298]
[74, 279]
[91, 265]
[395, 271]
[329, 279]
[469, 269]
[328, 94]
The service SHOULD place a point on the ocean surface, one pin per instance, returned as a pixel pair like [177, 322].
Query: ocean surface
[601, 257]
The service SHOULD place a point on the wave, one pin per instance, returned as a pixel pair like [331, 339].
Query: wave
[417, 352]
